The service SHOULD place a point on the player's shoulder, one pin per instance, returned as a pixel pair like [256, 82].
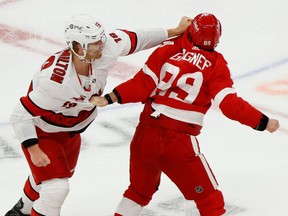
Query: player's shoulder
[59, 59]
[219, 58]
[219, 63]
[118, 42]
[170, 42]
[166, 49]
[55, 70]
[213, 56]
[117, 37]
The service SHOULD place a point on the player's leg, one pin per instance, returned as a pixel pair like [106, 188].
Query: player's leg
[189, 170]
[62, 149]
[144, 173]
[128, 207]
[30, 194]
[53, 194]
[211, 205]
[54, 177]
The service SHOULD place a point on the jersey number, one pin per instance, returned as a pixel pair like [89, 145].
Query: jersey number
[186, 88]
[115, 37]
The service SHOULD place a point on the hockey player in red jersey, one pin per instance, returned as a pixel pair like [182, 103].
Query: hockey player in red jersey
[49, 119]
[177, 84]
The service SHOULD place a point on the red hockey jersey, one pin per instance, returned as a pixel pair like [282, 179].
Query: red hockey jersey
[181, 81]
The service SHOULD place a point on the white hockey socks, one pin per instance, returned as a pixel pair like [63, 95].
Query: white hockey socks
[128, 207]
[52, 195]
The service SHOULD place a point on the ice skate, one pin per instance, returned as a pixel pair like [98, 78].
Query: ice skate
[15, 211]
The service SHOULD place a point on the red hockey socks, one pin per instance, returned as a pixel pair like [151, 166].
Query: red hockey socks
[31, 189]
[30, 195]
[211, 205]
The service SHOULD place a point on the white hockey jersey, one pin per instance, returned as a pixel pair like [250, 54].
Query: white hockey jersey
[58, 98]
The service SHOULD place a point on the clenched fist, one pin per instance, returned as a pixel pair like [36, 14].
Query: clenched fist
[273, 125]
[38, 157]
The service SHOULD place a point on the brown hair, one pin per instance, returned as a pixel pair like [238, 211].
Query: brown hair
[75, 47]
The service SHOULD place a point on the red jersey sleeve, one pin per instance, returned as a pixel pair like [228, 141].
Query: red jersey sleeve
[136, 89]
[232, 106]
[236, 108]
[140, 87]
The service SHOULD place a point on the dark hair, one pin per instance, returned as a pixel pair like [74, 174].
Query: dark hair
[75, 47]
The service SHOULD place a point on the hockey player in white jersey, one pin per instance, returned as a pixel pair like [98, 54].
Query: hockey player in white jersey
[49, 119]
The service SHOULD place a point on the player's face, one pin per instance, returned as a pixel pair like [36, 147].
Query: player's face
[94, 50]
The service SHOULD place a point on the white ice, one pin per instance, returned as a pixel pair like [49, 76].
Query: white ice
[250, 166]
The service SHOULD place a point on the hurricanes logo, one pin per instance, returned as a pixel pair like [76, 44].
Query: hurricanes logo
[81, 98]
[69, 104]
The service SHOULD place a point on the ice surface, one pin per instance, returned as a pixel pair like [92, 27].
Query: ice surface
[250, 166]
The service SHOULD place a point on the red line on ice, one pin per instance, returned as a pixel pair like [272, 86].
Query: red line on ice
[17, 37]
[6, 2]
[11, 35]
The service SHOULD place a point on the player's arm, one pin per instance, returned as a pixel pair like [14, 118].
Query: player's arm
[149, 38]
[141, 86]
[137, 89]
[30, 107]
[124, 42]
[236, 108]
[22, 122]
[233, 106]
[25, 131]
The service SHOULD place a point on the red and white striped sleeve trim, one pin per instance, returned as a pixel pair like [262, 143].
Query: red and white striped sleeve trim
[222, 94]
[133, 40]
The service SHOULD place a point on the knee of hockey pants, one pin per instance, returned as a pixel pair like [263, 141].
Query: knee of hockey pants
[211, 205]
[128, 207]
[52, 195]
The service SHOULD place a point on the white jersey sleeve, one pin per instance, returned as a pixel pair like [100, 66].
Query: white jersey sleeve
[124, 42]
[23, 125]
[150, 38]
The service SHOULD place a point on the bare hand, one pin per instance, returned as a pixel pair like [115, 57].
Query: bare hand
[273, 125]
[98, 101]
[184, 23]
[182, 26]
[38, 157]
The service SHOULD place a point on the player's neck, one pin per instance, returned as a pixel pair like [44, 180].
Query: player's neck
[81, 68]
